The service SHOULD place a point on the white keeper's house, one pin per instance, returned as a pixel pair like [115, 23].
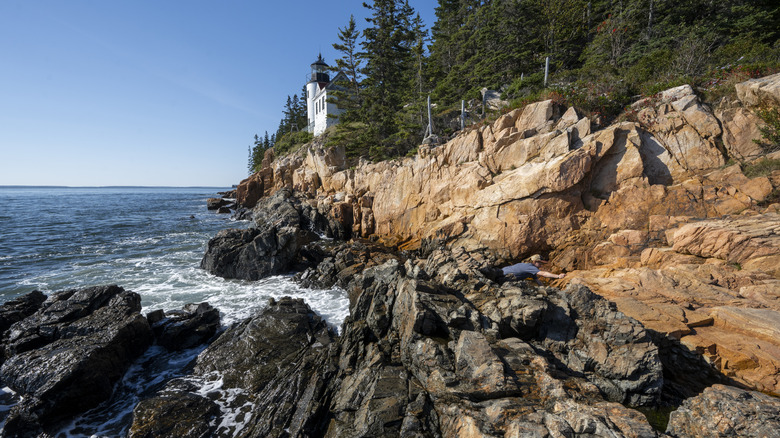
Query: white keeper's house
[319, 90]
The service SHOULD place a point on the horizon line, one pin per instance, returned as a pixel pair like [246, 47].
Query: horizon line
[22, 186]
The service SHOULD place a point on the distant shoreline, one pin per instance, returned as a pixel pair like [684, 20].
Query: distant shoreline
[112, 187]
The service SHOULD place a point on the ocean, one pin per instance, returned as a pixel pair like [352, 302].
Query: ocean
[147, 240]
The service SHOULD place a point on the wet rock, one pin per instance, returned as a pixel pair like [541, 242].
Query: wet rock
[284, 225]
[216, 203]
[726, 411]
[176, 411]
[336, 263]
[195, 324]
[17, 309]
[66, 357]
[268, 370]
[242, 214]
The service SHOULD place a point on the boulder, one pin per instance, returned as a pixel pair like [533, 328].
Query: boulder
[492, 99]
[175, 411]
[15, 310]
[726, 411]
[740, 128]
[194, 325]
[284, 225]
[269, 368]
[66, 357]
[216, 203]
[760, 92]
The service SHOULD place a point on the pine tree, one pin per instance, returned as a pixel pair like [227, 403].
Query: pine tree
[257, 153]
[349, 132]
[388, 56]
[349, 62]
[411, 120]
[483, 44]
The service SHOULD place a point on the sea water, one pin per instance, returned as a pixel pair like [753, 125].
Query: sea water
[147, 240]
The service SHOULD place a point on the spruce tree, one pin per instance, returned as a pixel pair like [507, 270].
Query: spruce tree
[349, 62]
[349, 132]
[388, 56]
[257, 153]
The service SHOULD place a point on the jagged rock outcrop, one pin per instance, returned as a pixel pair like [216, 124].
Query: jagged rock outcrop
[66, 357]
[535, 176]
[257, 379]
[644, 213]
[177, 330]
[431, 348]
[725, 411]
[712, 286]
[65, 354]
[604, 203]
[15, 310]
[284, 224]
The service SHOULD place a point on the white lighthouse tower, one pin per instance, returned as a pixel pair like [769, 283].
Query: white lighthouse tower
[317, 94]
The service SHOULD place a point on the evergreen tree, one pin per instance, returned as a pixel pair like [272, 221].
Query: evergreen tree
[349, 62]
[350, 130]
[258, 152]
[388, 56]
[411, 119]
[483, 44]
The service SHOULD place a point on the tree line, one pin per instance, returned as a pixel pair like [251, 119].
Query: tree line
[601, 53]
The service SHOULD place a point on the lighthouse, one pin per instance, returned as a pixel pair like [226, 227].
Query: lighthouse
[319, 90]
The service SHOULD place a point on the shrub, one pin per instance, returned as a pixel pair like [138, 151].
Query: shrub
[291, 141]
[762, 167]
[771, 131]
[594, 99]
[720, 82]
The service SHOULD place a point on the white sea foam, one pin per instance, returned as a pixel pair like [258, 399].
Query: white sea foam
[233, 416]
[76, 239]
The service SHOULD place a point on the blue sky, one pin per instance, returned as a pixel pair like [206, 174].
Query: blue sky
[163, 92]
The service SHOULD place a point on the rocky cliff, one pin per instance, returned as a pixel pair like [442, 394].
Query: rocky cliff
[670, 300]
[654, 214]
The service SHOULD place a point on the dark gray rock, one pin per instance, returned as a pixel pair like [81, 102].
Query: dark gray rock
[66, 357]
[432, 347]
[242, 214]
[175, 412]
[195, 324]
[283, 227]
[588, 334]
[274, 362]
[215, 203]
[17, 309]
[726, 411]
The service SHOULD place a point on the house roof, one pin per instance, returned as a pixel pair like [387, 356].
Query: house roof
[332, 85]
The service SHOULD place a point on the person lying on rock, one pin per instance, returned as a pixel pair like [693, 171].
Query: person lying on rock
[522, 271]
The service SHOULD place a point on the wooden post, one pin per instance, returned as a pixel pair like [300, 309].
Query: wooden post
[430, 120]
[546, 70]
[462, 115]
